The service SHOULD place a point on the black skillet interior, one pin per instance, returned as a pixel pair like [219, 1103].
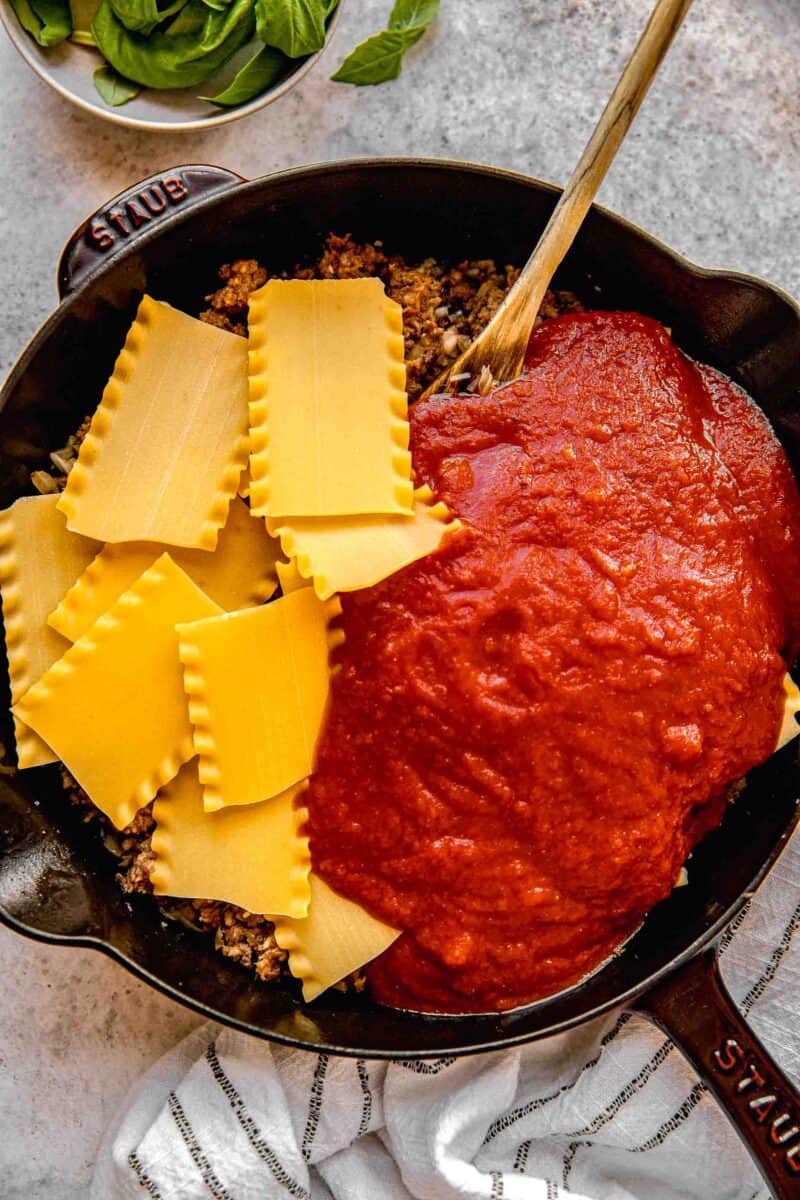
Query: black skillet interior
[57, 879]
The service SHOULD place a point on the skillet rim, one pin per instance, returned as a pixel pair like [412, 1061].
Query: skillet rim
[341, 166]
[504, 1040]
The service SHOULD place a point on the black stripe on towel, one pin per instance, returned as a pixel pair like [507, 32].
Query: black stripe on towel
[420, 1067]
[209, 1176]
[621, 1099]
[498, 1190]
[142, 1177]
[671, 1124]
[314, 1105]
[517, 1114]
[778, 954]
[610, 1111]
[366, 1107]
[569, 1158]
[734, 927]
[521, 1157]
[521, 1165]
[251, 1130]
[758, 990]
[680, 1115]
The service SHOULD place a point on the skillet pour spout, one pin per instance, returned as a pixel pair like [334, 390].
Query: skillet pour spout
[167, 235]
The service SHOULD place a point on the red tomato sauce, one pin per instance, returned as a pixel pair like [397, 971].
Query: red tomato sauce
[533, 726]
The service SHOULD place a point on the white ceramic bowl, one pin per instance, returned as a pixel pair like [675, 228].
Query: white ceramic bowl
[69, 68]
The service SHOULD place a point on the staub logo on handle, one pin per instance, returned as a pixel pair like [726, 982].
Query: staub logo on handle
[135, 210]
[762, 1104]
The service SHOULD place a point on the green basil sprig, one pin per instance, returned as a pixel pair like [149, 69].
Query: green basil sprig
[113, 88]
[167, 59]
[261, 72]
[183, 43]
[143, 16]
[380, 57]
[48, 21]
[297, 28]
[413, 14]
[56, 20]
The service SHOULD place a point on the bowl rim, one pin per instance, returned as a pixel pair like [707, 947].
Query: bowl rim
[20, 41]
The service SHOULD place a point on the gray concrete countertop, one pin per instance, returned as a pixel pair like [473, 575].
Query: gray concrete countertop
[712, 166]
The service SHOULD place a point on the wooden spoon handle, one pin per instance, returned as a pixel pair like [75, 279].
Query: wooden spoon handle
[497, 354]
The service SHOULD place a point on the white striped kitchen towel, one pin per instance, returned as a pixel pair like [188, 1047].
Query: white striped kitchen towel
[609, 1111]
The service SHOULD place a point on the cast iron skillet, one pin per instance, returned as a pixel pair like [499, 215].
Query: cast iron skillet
[168, 235]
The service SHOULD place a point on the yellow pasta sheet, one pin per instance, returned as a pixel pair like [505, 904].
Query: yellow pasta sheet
[113, 707]
[39, 560]
[167, 445]
[257, 683]
[289, 577]
[336, 938]
[240, 573]
[255, 857]
[343, 554]
[789, 728]
[328, 408]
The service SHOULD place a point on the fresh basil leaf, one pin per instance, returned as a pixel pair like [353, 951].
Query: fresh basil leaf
[330, 7]
[219, 5]
[55, 21]
[27, 18]
[171, 10]
[169, 59]
[213, 32]
[297, 27]
[113, 88]
[413, 14]
[260, 73]
[377, 59]
[190, 19]
[142, 16]
[380, 57]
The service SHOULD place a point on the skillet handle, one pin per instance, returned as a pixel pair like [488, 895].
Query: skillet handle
[693, 1006]
[131, 214]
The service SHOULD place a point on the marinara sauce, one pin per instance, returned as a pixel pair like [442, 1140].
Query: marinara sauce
[533, 726]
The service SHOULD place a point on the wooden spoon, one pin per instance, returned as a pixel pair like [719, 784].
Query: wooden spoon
[498, 353]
